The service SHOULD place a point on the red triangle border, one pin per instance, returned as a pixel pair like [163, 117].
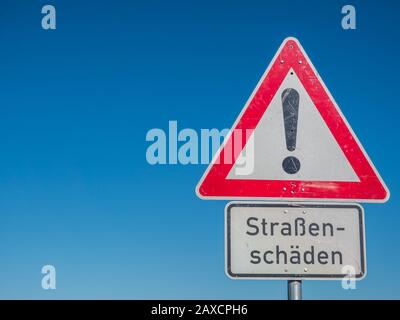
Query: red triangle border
[370, 188]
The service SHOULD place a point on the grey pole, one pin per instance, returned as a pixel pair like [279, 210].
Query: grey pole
[294, 290]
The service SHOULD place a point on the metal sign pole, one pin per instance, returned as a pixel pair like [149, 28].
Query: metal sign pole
[294, 290]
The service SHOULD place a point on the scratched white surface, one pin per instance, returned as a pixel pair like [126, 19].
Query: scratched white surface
[347, 241]
[321, 158]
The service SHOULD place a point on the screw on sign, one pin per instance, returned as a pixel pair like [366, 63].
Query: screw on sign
[301, 148]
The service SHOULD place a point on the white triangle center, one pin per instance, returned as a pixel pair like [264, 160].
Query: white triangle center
[320, 156]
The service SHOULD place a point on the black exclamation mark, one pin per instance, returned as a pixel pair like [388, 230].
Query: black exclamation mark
[290, 105]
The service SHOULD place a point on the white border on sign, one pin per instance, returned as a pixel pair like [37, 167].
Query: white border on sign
[294, 204]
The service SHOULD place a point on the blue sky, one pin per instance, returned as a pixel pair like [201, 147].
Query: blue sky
[76, 104]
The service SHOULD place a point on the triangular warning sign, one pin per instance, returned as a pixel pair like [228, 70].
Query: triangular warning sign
[291, 141]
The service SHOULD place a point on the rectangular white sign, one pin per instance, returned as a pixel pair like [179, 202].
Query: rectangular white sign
[294, 241]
